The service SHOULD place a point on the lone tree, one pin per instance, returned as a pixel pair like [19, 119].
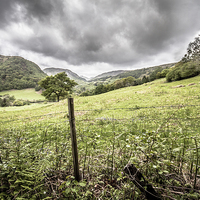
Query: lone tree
[193, 51]
[57, 86]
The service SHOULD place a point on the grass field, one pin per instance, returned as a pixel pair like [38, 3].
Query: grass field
[155, 126]
[156, 93]
[26, 94]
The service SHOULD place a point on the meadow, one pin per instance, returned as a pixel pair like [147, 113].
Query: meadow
[25, 94]
[154, 126]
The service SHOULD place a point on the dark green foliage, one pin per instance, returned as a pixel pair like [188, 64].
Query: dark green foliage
[121, 83]
[6, 100]
[20, 102]
[100, 89]
[145, 79]
[164, 73]
[137, 74]
[193, 51]
[57, 86]
[183, 70]
[126, 82]
[156, 74]
[18, 73]
[189, 66]
[37, 88]
[86, 93]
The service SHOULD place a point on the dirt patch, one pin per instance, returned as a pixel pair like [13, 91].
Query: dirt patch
[39, 92]
[178, 86]
[191, 84]
[80, 113]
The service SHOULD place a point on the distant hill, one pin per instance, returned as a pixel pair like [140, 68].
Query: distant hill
[137, 73]
[108, 74]
[70, 74]
[18, 73]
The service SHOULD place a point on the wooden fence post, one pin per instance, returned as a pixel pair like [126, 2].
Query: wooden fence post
[73, 138]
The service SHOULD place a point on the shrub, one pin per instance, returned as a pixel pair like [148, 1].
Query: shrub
[37, 88]
[18, 103]
[183, 70]
[6, 100]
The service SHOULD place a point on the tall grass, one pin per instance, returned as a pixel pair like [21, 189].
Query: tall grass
[112, 129]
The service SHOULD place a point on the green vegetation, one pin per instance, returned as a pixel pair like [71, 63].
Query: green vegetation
[193, 51]
[6, 100]
[189, 66]
[117, 78]
[155, 126]
[183, 70]
[138, 73]
[25, 94]
[57, 86]
[20, 97]
[18, 73]
[157, 73]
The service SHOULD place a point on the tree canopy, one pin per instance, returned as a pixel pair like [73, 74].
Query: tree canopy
[57, 86]
[193, 51]
[189, 66]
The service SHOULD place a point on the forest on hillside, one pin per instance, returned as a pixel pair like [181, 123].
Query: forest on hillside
[18, 73]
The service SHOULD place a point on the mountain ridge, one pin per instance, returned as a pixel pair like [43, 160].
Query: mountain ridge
[72, 75]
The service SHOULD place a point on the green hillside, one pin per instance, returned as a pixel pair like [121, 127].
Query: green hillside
[18, 73]
[137, 73]
[156, 93]
[154, 126]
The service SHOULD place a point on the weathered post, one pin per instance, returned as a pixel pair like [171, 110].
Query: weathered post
[73, 138]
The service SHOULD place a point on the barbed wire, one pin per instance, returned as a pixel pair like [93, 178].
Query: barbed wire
[37, 116]
[109, 109]
[138, 108]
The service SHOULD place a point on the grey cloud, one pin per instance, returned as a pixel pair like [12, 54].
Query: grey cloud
[115, 31]
[5, 12]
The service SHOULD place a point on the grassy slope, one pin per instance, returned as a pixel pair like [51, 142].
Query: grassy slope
[26, 94]
[156, 93]
[106, 147]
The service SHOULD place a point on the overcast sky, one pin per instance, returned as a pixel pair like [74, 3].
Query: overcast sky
[90, 37]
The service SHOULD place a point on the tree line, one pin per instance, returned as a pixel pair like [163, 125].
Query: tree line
[159, 72]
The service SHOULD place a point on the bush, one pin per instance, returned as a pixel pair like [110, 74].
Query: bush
[164, 73]
[37, 88]
[6, 100]
[183, 70]
[18, 103]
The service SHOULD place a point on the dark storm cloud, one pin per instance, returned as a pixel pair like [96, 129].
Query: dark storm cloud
[5, 8]
[118, 32]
